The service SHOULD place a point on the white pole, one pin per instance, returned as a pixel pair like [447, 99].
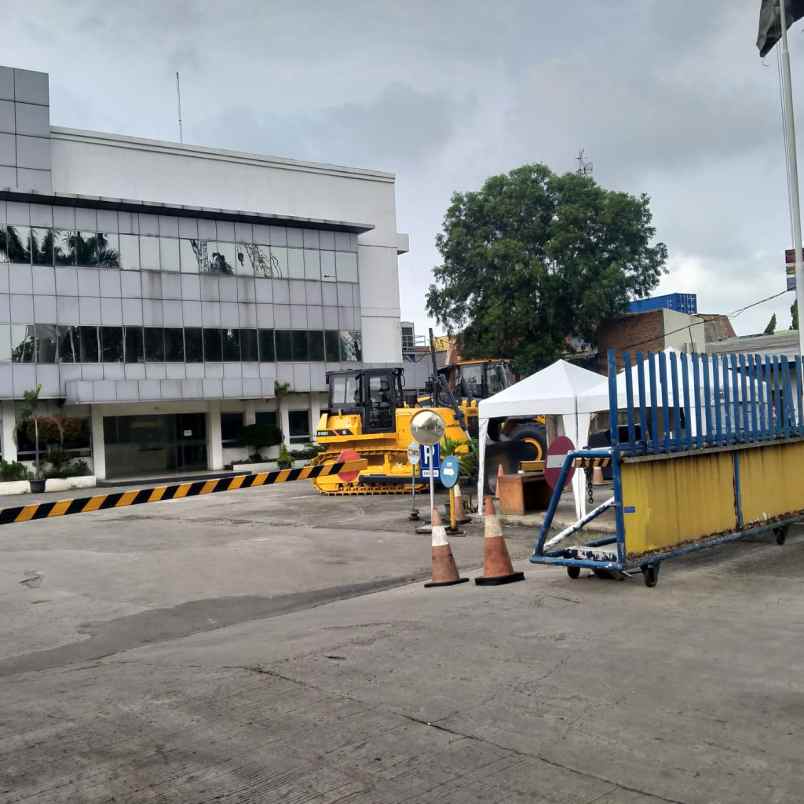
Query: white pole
[432, 483]
[792, 170]
[178, 102]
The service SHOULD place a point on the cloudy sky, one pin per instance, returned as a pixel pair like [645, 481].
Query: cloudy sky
[667, 97]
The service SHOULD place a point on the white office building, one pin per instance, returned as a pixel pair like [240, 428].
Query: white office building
[162, 295]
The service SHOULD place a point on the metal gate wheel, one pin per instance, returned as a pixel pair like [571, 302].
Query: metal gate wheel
[574, 572]
[781, 534]
[650, 574]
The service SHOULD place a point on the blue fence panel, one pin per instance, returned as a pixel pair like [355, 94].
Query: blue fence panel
[716, 396]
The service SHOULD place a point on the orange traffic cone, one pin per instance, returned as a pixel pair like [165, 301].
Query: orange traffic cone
[460, 511]
[445, 572]
[497, 567]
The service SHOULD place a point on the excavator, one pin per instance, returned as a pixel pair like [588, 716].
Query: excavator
[366, 413]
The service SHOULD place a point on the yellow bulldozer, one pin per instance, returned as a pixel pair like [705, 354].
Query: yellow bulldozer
[366, 414]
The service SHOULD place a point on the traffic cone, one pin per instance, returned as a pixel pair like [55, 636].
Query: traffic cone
[445, 572]
[460, 511]
[497, 567]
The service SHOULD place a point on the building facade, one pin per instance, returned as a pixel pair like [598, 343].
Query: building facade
[162, 295]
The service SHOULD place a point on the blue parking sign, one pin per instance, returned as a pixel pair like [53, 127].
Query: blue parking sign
[424, 460]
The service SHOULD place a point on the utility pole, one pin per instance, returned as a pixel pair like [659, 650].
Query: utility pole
[178, 101]
[792, 168]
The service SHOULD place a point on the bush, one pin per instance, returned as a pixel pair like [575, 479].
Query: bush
[259, 436]
[60, 465]
[285, 461]
[13, 470]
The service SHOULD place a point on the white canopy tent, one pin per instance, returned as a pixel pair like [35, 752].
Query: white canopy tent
[563, 390]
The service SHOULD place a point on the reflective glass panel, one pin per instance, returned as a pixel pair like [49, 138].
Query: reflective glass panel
[328, 266]
[5, 343]
[88, 337]
[282, 337]
[46, 343]
[190, 253]
[42, 246]
[111, 344]
[231, 345]
[86, 248]
[221, 258]
[169, 253]
[332, 346]
[22, 343]
[299, 345]
[350, 345]
[129, 251]
[244, 259]
[135, 351]
[267, 345]
[312, 264]
[346, 263]
[279, 262]
[295, 263]
[193, 345]
[248, 345]
[108, 250]
[315, 345]
[154, 344]
[16, 243]
[212, 345]
[262, 261]
[69, 345]
[149, 253]
[174, 345]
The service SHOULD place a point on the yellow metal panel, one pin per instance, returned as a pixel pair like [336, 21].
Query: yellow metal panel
[126, 498]
[59, 508]
[771, 481]
[677, 500]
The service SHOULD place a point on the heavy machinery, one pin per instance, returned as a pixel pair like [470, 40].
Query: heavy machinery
[366, 414]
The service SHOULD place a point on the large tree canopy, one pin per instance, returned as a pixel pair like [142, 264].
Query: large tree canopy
[534, 258]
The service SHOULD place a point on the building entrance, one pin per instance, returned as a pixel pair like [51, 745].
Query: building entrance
[152, 444]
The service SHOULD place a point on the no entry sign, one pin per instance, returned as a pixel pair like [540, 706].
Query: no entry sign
[555, 460]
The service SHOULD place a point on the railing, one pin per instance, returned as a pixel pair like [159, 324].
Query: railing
[685, 401]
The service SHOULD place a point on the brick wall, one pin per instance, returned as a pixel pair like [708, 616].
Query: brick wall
[645, 329]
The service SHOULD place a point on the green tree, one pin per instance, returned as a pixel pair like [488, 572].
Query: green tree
[771, 328]
[534, 258]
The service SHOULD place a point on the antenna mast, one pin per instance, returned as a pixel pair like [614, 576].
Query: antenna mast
[585, 167]
[178, 100]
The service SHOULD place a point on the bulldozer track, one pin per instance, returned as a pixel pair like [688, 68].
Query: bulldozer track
[356, 488]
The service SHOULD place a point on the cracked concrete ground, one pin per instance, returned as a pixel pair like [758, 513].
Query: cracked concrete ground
[235, 663]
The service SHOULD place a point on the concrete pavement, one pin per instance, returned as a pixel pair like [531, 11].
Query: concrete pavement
[549, 690]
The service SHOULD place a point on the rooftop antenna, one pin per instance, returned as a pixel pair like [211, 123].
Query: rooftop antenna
[585, 167]
[178, 100]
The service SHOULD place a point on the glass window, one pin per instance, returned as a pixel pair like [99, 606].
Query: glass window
[295, 263]
[282, 337]
[266, 418]
[244, 259]
[315, 345]
[88, 337]
[248, 345]
[174, 345]
[299, 426]
[154, 344]
[191, 253]
[108, 250]
[111, 344]
[193, 345]
[259, 259]
[231, 425]
[279, 262]
[135, 351]
[267, 345]
[129, 252]
[231, 345]
[149, 254]
[212, 345]
[345, 391]
[346, 264]
[332, 346]
[16, 245]
[221, 257]
[46, 343]
[69, 345]
[328, 266]
[169, 253]
[5, 343]
[299, 345]
[86, 248]
[312, 264]
[42, 246]
[350, 346]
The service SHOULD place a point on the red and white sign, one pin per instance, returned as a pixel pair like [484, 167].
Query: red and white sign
[556, 453]
[347, 456]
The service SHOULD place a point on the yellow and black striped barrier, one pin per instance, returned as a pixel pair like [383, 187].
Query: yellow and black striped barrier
[122, 499]
[590, 463]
